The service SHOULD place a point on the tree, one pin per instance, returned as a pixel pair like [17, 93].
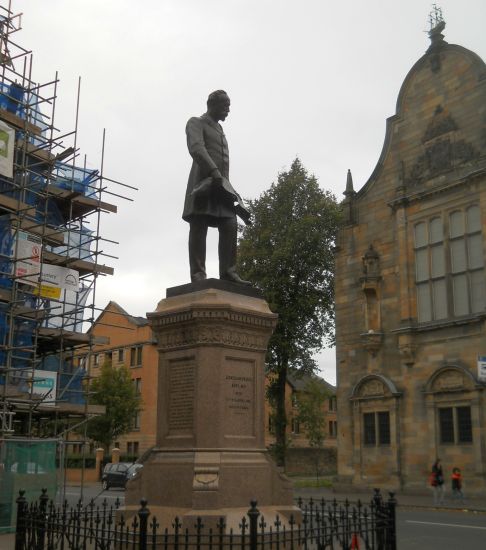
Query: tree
[311, 413]
[114, 389]
[287, 253]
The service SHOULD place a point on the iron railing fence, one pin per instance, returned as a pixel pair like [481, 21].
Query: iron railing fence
[316, 525]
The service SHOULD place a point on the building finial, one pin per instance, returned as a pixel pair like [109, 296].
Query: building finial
[349, 185]
[436, 26]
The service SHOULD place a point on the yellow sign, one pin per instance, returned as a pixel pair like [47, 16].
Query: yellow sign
[48, 292]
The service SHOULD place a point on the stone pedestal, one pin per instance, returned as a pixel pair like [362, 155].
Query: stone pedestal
[210, 456]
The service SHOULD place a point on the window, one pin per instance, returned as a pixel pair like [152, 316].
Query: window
[271, 427]
[132, 448]
[96, 359]
[332, 428]
[108, 356]
[295, 426]
[137, 383]
[121, 355]
[376, 428]
[295, 400]
[449, 262]
[136, 356]
[455, 425]
[136, 422]
[369, 429]
[82, 362]
[332, 403]
[383, 428]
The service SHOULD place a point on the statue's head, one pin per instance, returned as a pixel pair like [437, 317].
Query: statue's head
[218, 105]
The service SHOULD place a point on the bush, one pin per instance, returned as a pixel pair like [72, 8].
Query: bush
[76, 461]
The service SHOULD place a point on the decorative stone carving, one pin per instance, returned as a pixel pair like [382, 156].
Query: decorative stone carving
[407, 349]
[450, 380]
[371, 263]
[372, 341]
[372, 388]
[441, 123]
[206, 479]
[441, 152]
[200, 335]
[464, 151]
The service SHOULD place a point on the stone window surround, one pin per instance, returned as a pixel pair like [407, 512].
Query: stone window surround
[443, 213]
[386, 401]
[467, 394]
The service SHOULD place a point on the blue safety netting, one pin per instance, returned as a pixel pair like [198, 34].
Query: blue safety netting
[69, 380]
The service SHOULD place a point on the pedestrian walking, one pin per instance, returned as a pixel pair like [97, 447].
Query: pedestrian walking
[456, 484]
[437, 482]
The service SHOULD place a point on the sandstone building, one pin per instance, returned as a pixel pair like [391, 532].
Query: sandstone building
[410, 285]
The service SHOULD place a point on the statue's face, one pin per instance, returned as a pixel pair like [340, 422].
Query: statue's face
[221, 109]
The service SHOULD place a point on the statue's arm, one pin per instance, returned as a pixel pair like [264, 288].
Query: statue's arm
[197, 146]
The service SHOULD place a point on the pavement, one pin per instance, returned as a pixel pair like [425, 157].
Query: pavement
[404, 500]
[476, 504]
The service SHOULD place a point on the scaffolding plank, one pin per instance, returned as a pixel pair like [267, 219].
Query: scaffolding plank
[19, 123]
[14, 205]
[52, 338]
[74, 205]
[83, 266]
[35, 151]
[50, 236]
[5, 295]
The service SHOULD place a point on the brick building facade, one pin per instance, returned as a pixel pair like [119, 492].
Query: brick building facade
[410, 285]
[129, 342]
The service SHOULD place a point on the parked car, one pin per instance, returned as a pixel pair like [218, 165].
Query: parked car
[117, 474]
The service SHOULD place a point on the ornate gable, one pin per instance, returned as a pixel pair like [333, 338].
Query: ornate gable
[443, 148]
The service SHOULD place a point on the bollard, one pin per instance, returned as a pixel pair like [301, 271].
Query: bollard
[391, 538]
[21, 526]
[143, 515]
[253, 513]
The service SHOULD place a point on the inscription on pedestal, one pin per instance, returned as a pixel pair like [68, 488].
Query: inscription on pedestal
[181, 397]
[239, 395]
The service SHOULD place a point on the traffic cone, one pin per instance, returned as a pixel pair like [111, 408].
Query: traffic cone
[354, 542]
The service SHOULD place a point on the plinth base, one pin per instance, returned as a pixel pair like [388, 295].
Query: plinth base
[231, 518]
[209, 479]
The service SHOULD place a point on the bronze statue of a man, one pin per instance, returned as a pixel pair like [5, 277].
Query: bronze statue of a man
[210, 199]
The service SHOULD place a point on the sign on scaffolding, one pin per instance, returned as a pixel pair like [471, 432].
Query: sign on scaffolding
[7, 139]
[54, 279]
[28, 256]
[44, 384]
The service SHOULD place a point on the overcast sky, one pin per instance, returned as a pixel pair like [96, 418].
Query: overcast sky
[309, 78]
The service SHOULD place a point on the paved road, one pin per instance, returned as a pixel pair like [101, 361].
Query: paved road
[417, 528]
[440, 530]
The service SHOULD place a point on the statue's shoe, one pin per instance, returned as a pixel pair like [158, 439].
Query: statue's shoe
[200, 276]
[234, 278]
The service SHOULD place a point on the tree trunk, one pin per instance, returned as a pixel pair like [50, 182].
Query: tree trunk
[281, 417]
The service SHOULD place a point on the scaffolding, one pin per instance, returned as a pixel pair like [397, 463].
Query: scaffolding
[51, 253]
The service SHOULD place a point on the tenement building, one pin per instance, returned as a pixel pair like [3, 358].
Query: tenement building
[410, 285]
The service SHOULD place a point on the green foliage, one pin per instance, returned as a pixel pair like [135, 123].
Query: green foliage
[312, 483]
[310, 406]
[288, 254]
[76, 461]
[114, 389]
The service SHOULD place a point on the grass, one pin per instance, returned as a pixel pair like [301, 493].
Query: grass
[312, 483]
